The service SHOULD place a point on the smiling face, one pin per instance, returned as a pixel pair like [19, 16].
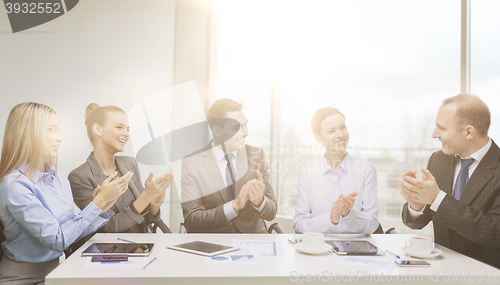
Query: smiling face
[333, 135]
[115, 132]
[453, 141]
[237, 141]
[52, 137]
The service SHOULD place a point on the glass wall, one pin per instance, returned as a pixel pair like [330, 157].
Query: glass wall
[385, 64]
[485, 58]
[244, 69]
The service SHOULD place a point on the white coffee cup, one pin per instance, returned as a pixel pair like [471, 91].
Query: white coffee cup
[313, 240]
[420, 244]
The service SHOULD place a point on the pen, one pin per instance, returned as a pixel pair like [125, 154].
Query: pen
[126, 240]
[149, 263]
[397, 256]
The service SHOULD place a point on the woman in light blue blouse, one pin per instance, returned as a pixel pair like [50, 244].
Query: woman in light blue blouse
[338, 193]
[36, 204]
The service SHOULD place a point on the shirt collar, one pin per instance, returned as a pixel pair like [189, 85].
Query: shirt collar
[343, 165]
[219, 154]
[35, 173]
[478, 155]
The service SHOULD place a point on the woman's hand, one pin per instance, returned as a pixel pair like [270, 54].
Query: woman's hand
[336, 211]
[155, 189]
[105, 195]
[348, 202]
[154, 193]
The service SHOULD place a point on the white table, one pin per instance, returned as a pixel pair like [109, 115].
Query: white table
[175, 267]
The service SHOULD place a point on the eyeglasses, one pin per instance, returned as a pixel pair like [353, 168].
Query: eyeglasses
[54, 130]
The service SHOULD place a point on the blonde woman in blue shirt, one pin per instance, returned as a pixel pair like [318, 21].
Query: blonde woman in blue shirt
[36, 203]
[337, 194]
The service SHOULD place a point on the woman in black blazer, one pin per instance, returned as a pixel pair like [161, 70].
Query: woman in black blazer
[108, 130]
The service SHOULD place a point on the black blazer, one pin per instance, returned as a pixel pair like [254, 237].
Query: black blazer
[471, 225]
[122, 217]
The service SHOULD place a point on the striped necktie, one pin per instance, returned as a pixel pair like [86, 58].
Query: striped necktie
[463, 177]
[230, 182]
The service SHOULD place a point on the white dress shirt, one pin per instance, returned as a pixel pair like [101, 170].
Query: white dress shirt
[222, 163]
[319, 186]
[477, 156]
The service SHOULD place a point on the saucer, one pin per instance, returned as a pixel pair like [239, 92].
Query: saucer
[325, 248]
[435, 252]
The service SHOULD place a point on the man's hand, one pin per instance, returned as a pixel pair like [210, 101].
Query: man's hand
[406, 194]
[243, 196]
[419, 193]
[347, 202]
[256, 190]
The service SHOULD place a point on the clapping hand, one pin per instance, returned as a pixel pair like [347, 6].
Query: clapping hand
[336, 211]
[156, 189]
[419, 193]
[105, 195]
[347, 202]
[342, 206]
[240, 201]
[256, 190]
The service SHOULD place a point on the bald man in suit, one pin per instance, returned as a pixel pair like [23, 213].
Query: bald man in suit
[460, 190]
[225, 186]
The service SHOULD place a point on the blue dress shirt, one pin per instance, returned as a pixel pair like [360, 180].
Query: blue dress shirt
[39, 217]
[319, 186]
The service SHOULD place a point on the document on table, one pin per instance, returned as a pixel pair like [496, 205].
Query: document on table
[263, 247]
[383, 262]
[132, 262]
[242, 256]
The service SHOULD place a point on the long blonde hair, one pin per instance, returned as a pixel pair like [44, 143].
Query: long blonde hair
[24, 138]
[98, 115]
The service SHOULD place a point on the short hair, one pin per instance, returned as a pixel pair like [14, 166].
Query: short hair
[24, 138]
[98, 115]
[470, 111]
[221, 107]
[320, 115]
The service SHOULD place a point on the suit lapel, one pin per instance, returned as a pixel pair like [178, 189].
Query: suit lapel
[98, 173]
[444, 171]
[96, 169]
[241, 169]
[449, 175]
[482, 174]
[132, 185]
[213, 170]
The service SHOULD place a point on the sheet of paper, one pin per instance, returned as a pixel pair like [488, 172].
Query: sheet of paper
[132, 262]
[242, 256]
[382, 262]
[263, 247]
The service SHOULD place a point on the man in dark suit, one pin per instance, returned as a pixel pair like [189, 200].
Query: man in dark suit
[460, 190]
[225, 186]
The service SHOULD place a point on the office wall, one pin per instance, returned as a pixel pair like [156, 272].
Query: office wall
[108, 52]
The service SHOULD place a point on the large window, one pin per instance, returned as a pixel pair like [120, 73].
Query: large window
[244, 69]
[385, 64]
[485, 58]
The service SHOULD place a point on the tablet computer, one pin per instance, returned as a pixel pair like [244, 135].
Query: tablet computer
[118, 249]
[203, 248]
[353, 247]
